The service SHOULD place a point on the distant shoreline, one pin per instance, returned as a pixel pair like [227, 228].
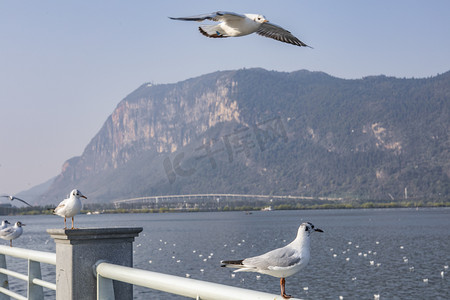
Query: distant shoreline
[96, 209]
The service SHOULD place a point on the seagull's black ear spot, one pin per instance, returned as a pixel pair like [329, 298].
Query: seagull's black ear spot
[306, 228]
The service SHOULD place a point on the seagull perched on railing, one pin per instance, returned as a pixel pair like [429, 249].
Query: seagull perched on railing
[234, 24]
[281, 262]
[12, 233]
[12, 198]
[4, 224]
[70, 207]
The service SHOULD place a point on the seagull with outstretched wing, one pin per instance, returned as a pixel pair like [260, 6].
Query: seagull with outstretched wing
[12, 198]
[233, 24]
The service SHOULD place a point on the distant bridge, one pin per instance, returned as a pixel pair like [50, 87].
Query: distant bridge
[211, 198]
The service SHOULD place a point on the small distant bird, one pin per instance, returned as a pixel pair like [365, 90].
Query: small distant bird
[4, 224]
[12, 198]
[70, 207]
[12, 233]
[234, 24]
[281, 262]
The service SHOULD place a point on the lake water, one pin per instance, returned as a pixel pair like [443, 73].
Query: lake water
[394, 253]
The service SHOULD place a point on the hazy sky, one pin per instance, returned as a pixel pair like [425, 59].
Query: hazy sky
[65, 65]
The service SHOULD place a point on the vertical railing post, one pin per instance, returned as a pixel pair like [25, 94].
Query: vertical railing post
[78, 250]
[3, 278]
[35, 292]
[105, 290]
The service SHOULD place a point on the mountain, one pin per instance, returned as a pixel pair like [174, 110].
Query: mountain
[266, 132]
[33, 194]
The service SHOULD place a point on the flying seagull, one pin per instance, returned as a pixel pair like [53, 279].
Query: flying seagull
[12, 198]
[234, 24]
[281, 262]
[12, 233]
[70, 207]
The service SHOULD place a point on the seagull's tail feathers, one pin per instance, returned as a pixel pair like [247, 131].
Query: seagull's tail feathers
[237, 264]
[212, 31]
[232, 263]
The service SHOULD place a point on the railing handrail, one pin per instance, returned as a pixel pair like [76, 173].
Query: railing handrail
[182, 286]
[34, 255]
[33, 278]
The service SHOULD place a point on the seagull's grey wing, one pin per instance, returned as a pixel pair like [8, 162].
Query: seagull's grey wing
[15, 198]
[278, 33]
[196, 18]
[6, 231]
[228, 16]
[60, 206]
[280, 258]
[216, 16]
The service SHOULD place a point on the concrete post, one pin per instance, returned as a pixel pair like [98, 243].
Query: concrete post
[78, 250]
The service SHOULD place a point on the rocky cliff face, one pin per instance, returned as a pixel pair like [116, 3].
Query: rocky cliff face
[161, 125]
[299, 133]
[160, 119]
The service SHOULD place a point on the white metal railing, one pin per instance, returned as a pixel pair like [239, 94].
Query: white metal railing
[33, 278]
[186, 287]
[107, 272]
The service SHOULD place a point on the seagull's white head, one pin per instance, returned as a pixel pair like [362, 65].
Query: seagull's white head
[19, 224]
[307, 228]
[78, 194]
[257, 18]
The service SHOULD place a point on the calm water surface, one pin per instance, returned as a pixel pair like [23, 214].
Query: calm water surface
[394, 253]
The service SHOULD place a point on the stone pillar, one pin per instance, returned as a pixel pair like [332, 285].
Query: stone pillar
[79, 249]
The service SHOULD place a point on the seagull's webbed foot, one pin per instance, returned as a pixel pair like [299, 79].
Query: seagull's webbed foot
[283, 289]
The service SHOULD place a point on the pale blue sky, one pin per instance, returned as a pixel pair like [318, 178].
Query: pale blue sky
[65, 65]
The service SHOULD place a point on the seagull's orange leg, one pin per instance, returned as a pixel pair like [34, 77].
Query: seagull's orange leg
[72, 223]
[283, 289]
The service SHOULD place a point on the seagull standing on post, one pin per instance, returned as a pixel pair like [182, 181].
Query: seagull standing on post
[70, 207]
[233, 25]
[281, 262]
